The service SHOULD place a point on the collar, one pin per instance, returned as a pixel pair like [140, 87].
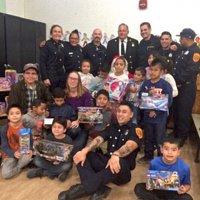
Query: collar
[125, 40]
[129, 124]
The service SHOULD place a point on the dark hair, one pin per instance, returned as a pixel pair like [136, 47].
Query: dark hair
[167, 64]
[103, 92]
[54, 26]
[121, 58]
[127, 103]
[105, 68]
[74, 32]
[172, 140]
[14, 106]
[166, 33]
[58, 93]
[141, 70]
[123, 24]
[146, 23]
[37, 102]
[86, 60]
[157, 61]
[60, 120]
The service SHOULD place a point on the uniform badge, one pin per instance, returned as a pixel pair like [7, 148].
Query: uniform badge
[139, 133]
[126, 133]
[186, 53]
[196, 57]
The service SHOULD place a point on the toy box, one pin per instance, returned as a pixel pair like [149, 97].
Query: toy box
[116, 88]
[4, 84]
[154, 103]
[162, 180]
[54, 151]
[24, 140]
[11, 76]
[90, 115]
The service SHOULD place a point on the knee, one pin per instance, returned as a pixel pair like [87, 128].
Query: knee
[139, 188]
[8, 173]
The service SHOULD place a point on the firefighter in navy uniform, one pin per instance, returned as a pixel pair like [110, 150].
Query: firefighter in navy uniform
[73, 53]
[95, 52]
[96, 170]
[185, 73]
[52, 60]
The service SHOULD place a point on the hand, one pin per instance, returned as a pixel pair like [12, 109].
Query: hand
[114, 164]
[74, 124]
[173, 47]
[17, 154]
[182, 189]
[80, 157]
[152, 114]
[47, 82]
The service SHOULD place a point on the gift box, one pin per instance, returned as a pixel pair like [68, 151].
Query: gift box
[54, 151]
[162, 180]
[115, 88]
[154, 103]
[90, 115]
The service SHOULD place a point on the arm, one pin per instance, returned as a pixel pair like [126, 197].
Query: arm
[184, 189]
[125, 150]
[80, 156]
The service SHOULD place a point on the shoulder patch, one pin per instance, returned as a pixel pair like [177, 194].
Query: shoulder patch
[139, 133]
[196, 57]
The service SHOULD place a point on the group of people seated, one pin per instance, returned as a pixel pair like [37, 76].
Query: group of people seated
[120, 95]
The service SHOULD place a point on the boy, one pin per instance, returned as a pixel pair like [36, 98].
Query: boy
[154, 120]
[13, 159]
[168, 162]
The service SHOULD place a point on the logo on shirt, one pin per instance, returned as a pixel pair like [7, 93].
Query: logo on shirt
[196, 57]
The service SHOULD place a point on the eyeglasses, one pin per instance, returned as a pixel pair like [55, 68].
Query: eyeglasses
[73, 79]
[30, 73]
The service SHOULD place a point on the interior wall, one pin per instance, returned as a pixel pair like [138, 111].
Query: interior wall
[164, 15]
[14, 7]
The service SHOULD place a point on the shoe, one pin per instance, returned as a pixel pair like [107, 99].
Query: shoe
[33, 173]
[74, 192]
[63, 176]
[101, 193]
[144, 160]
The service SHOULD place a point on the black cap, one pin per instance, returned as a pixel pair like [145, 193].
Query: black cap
[187, 33]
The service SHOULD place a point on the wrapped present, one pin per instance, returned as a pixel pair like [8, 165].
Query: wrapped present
[162, 180]
[90, 115]
[115, 88]
[154, 103]
[24, 140]
[11, 76]
[51, 150]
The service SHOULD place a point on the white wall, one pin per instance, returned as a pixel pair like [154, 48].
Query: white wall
[85, 15]
[15, 7]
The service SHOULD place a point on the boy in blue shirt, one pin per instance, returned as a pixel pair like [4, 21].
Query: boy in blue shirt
[154, 120]
[170, 161]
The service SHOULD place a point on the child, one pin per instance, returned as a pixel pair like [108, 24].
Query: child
[35, 117]
[86, 76]
[132, 92]
[154, 120]
[169, 161]
[99, 81]
[48, 167]
[13, 160]
[120, 66]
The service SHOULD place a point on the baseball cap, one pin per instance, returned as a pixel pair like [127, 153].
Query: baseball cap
[30, 66]
[187, 33]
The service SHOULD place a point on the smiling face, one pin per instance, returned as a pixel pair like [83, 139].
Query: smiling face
[73, 80]
[74, 39]
[56, 33]
[85, 67]
[14, 115]
[97, 35]
[145, 32]
[123, 32]
[58, 130]
[124, 114]
[165, 41]
[101, 100]
[30, 76]
[170, 152]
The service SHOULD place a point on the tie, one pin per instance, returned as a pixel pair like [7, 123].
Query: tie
[122, 48]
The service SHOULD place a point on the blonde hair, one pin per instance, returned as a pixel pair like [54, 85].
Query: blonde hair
[80, 89]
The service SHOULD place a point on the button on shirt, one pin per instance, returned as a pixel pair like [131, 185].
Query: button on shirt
[117, 136]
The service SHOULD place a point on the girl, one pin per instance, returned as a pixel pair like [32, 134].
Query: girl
[13, 159]
[53, 168]
[86, 76]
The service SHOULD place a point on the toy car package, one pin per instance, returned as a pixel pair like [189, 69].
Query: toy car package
[24, 140]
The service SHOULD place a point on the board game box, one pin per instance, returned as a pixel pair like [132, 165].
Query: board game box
[90, 115]
[54, 151]
[162, 180]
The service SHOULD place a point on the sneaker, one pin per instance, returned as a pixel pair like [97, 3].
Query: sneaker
[63, 176]
[144, 160]
[74, 192]
[101, 193]
[33, 173]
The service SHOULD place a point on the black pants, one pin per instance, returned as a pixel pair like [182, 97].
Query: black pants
[94, 175]
[144, 194]
[183, 104]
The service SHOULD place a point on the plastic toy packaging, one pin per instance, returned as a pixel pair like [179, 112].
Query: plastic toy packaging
[54, 151]
[162, 180]
[24, 140]
[154, 103]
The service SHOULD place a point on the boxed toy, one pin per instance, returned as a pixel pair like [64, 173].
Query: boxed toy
[115, 88]
[11, 76]
[162, 180]
[24, 140]
[90, 115]
[154, 103]
[2, 108]
[54, 151]
[4, 84]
